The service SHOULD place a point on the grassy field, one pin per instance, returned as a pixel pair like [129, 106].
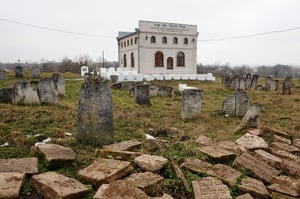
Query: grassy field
[18, 124]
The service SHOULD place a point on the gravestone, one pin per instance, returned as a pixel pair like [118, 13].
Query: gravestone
[6, 95]
[95, 113]
[247, 81]
[191, 103]
[2, 75]
[36, 72]
[165, 91]
[226, 81]
[274, 85]
[19, 73]
[287, 86]
[242, 84]
[25, 94]
[228, 105]
[142, 94]
[48, 92]
[59, 83]
[114, 79]
[235, 82]
[254, 82]
[268, 83]
[241, 103]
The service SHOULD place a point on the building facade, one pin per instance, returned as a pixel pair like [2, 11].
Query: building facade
[159, 48]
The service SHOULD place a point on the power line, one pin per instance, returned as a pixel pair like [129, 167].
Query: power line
[56, 30]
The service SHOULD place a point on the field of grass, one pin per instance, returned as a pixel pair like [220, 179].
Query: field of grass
[19, 123]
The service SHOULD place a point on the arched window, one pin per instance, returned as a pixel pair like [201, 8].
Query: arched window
[159, 59]
[132, 59]
[153, 39]
[170, 63]
[185, 41]
[124, 60]
[164, 40]
[180, 59]
[175, 40]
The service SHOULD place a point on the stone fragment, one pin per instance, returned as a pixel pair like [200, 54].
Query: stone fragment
[217, 154]
[11, 184]
[255, 131]
[285, 155]
[119, 155]
[251, 142]
[286, 184]
[277, 138]
[231, 146]
[291, 167]
[241, 102]
[259, 168]
[254, 82]
[142, 94]
[225, 173]
[244, 196]
[268, 158]
[196, 165]
[23, 165]
[204, 140]
[55, 155]
[296, 143]
[251, 118]
[120, 190]
[165, 196]
[104, 171]
[123, 146]
[52, 185]
[277, 132]
[253, 186]
[285, 147]
[191, 104]
[151, 162]
[25, 94]
[210, 188]
[276, 195]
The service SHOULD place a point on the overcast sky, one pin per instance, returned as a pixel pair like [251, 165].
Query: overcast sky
[215, 19]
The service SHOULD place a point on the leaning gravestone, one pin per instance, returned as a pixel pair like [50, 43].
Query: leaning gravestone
[6, 95]
[25, 94]
[48, 92]
[95, 113]
[36, 72]
[19, 72]
[191, 103]
[274, 85]
[59, 82]
[254, 82]
[287, 85]
[247, 81]
[241, 103]
[142, 94]
[2, 75]
[268, 83]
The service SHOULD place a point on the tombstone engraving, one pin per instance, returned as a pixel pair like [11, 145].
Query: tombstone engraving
[165, 91]
[2, 75]
[235, 82]
[228, 105]
[36, 72]
[59, 83]
[191, 103]
[48, 92]
[254, 82]
[274, 85]
[19, 73]
[241, 103]
[247, 81]
[142, 94]
[287, 86]
[268, 83]
[6, 95]
[95, 113]
[25, 94]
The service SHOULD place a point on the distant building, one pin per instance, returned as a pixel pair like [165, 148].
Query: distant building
[159, 48]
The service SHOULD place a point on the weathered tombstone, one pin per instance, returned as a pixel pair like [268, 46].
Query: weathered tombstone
[6, 95]
[48, 92]
[274, 85]
[226, 80]
[242, 84]
[153, 90]
[235, 82]
[254, 82]
[191, 103]
[2, 75]
[59, 82]
[142, 94]
[268, 83]
[287, 85]
[241, 103]
[165, 91]
[25, 94]
[228, 105]
[95, 113]
[19, 72]
[247, 81]
[114, 79]
[36, 72]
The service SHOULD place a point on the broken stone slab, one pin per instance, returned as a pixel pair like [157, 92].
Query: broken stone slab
[286, 185]
[268, 158]
[147, 181]
[255, 131]
[296, 143]
[23, 165]
[104, 170]
[251, 142]
[120, 189]
[277, 138]
[231, 146]
[276, 195]
[285, 147]
[196, 165]
[291, 167]
[277, 132]
[225, 173]
[244, 196]
[151, 162]
[255, 187]
[210, 188]
[55, 155]
[11, 184]
[119, 155]
[204, 140]
[53, 185]
[285, 155]
[251, 118]
[123, 146]
[165, 196]
[259, 168]
[217, 154]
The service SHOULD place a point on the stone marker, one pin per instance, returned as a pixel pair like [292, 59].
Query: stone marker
[56, 156]
[153, 90]
[23, 165]
[287, 86]
[285, 147]
[244, 196]
[286, 184]
[274, 85]
[165, 91]
[19, 73]
[36, 72]
[247, 81]
[53, 185]
[119, 190]
[277, 138]
[225, 173]
[204, 140]
[255, 187]
[191, 104]
[197, 165]
[260, 169]
[241, 103]
[291, 167]
[6, 95]
[268, 158]
[59, 82]
[268, 83]
[226, 81]
[25, 94]
[285, 155]
[242, 84]
[114, 79]
[251, 142]
[276, 195]
[235, 82]
[104, 170]
[217, 154]
[228, 105]
[142, 94]
[209, 188]
[230, 146]
[119, 155]
[48, 92]
[151, 162]
[2, 75]
[251, 118]
[11, 184]
[95, 113]
[123, 146]
[277, 132]
[254, 82]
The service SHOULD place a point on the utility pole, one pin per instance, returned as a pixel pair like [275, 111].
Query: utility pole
[103, 58]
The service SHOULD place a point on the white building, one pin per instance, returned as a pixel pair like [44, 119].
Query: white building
[159, 48]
